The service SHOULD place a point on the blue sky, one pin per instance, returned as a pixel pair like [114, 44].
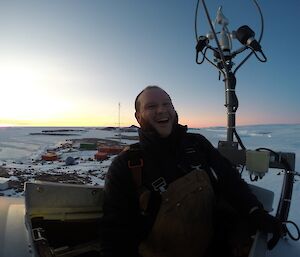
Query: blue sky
[70, 62]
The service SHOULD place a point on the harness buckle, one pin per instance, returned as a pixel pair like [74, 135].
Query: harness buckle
[197, 167]
[37, 234]
[160, 185]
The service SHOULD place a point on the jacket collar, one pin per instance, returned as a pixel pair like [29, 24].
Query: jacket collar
[151, 140]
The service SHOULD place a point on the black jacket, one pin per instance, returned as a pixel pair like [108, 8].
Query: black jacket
[123, 225]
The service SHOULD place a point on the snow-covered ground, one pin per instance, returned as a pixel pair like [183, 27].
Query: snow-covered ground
[21, 149]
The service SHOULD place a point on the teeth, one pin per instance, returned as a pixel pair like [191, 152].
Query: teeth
[165, 119]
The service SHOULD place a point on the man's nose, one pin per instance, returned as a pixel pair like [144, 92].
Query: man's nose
[161, 108]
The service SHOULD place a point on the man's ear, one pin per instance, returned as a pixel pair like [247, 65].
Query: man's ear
[137, 116]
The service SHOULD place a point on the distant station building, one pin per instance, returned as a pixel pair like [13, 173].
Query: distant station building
[50, 156]
[104, 151]
[101, 156]
[88, 146]
[110, 149]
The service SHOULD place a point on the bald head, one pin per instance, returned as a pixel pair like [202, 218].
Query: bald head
[137, 102]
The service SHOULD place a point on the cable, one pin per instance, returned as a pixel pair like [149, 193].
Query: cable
[261, 19]
[253, 179]
[196, 35]
[259, 39]
[239, 139]
[289, 233]
[285, 163]
[261, 52]
[203, 56]
[238, 51]
[216, 38]
[267, 149]
[220, 70]
[196, 16]
[286, 191]
[242, 170]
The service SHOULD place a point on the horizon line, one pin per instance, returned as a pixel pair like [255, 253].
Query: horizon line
[105, 126]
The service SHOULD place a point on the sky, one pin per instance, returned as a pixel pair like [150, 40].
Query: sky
[74, 62]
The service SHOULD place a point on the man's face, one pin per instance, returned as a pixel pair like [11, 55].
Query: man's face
[156, 111]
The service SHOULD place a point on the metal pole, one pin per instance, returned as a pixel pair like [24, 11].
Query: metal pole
[230, 103]
[120, 137]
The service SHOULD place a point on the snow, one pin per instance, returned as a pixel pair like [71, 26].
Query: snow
[3, 183]
[21, 150]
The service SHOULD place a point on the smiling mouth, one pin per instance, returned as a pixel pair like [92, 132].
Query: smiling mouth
[163, 121]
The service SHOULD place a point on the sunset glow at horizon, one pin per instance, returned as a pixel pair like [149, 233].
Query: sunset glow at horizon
[69, 63]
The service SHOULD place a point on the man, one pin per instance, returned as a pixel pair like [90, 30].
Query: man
[173, 194]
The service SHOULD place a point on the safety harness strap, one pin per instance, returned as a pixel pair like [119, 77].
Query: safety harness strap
[135, 164]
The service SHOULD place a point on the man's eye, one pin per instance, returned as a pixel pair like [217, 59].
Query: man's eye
[168, 104]
[151, 107]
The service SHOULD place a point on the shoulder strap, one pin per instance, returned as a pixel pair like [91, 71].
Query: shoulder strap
[136, 163]
[195, 150]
